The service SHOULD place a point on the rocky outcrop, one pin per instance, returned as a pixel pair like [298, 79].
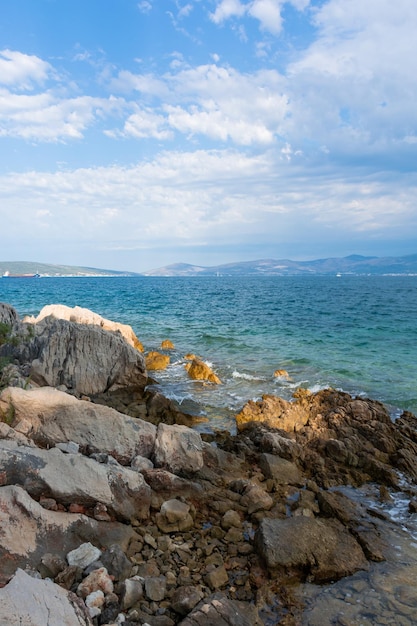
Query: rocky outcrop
[83, 316]
[48, 417]
[156, 360]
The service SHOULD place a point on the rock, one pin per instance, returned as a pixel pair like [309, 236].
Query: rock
[75, 478]
[70, 447]
[29, 532]
[80, 315]
[283, 472]
[167, 345]
[175, 510]
[273, 411]
[41, 602]
[116, 562]
[165, 485]
[84, 358]
[219, 610]
[131, 591]
[217, 577]
[321, 549]
[231, 519]
[84, 555]
[281, 374]
[255, 498]
[140, 463]
[94, 602]
[8, 315]
[49, 417]
[98, 579]
[156, 361]
[185, 598]
[155, 588]
[178, 449]
[279, 445]
[198, 370]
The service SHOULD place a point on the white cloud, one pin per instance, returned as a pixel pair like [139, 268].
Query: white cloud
[22, 71]
[268, 12]
[226, 9]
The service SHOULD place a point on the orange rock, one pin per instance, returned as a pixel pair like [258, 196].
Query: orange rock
[281, 374]
[156, 361]
[167, 345]
[198, 370]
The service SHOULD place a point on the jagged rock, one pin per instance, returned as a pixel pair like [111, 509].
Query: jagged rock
[198, 370]
[116, 562]
[29, 531]
[85, 316]
[49, 416]
[84, 358]
[69, 478]
[321, 549]
[185, 598]
[98, 579]
[167, 344]
[8, 315]
[27, 600]
[156, 361]
[155, 588]
[178, 449]
[273, 411]
[219, 610]
[131, 591]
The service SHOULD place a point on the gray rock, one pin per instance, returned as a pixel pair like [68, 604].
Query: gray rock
[30, 531]
[218, 610]
[84, 555]
[84, 358]
[155, 588]
[283, 472]
[27, 600]
[185, 598]
[140, 463]
[8, 315]
[75, 478]
[178, 449]
[321, 548]
[116, 562]
[49, 417]
[175, 510]
[69, 447]
[131, 591]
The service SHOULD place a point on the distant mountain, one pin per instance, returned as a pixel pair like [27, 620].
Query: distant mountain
[45, 269]
[353, 264]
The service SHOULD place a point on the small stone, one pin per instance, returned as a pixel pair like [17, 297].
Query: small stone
[53, 564]
[131, 591]
[155, 588]
[184, 599]
[148, 539]
[100, 513]
[231, 518]
[217, 578]
[74, 507]
[84, 555]
[116, 562]
[69, 447]
[174, 510]
[48, 503]
[94, 601]
[98, 579]
[69, 576]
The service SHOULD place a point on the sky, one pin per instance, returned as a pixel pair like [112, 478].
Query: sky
[136, 134]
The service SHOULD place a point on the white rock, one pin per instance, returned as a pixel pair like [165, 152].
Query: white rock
[84, 555]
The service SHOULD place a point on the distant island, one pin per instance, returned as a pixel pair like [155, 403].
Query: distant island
[349, 265]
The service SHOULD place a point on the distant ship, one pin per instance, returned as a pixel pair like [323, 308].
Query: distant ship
[8, 275]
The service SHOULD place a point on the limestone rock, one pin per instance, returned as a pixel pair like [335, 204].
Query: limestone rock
[75, 478]
[8, 315]
[85, 316]
[198, 370]
[283, 472]
[84, 358]
[49, 416]
[167, 344]
[29, 531]
[178, 449]
[275, 412]
[84, 555]
[219, 610]
[27, 600]
[156, 361]
[322, 549]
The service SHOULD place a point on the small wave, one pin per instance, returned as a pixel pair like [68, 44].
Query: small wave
[237, 374]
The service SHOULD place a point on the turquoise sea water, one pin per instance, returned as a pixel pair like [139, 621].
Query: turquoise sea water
[353, 333]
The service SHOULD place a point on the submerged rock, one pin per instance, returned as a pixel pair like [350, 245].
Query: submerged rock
[198, 370]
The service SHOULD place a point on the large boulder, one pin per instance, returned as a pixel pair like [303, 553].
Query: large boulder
[69, 478]
[84, 358]
[48, 416]
[198, 370]
[80, 315]
[178, 449]
[273, 411]
[321, 549]
[28, 531]
[28, 600]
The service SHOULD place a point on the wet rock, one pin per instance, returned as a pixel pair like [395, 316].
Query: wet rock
[321, 549]
[198, 370]
[167, 344]
[156, 361]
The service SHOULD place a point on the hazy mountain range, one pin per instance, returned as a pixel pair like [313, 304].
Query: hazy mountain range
[353, 264]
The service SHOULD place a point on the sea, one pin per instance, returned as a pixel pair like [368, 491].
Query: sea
[353, 333]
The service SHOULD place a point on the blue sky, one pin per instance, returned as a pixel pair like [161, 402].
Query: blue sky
[134, 134]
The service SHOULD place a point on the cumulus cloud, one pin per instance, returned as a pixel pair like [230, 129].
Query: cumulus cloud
[267, 12]
[22, 71]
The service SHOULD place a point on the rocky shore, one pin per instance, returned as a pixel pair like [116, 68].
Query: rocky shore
[114, 510]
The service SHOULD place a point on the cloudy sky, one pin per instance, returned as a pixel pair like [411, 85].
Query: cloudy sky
[134, 134]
